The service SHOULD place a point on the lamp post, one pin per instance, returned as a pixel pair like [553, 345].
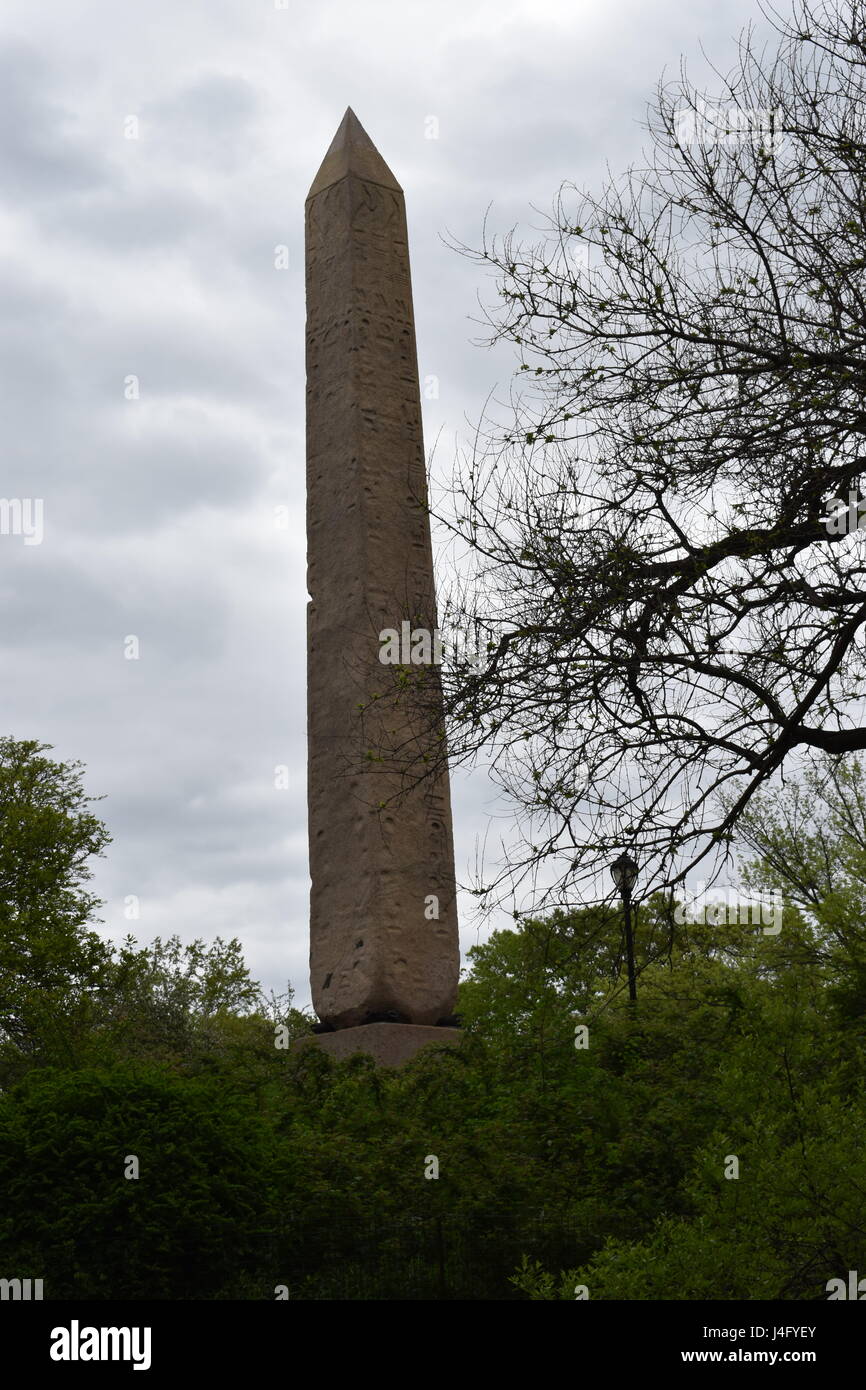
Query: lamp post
[624, 872]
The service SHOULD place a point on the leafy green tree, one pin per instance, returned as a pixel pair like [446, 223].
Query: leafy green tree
[50, 960]
[194, 1223]
[565, 1158]
[67, 997]
[809, 841]
[163, 997]
[747, 1046]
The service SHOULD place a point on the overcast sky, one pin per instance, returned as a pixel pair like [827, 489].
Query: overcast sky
[153, 258]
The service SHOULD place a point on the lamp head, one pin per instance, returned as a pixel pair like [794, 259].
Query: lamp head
[624, 872]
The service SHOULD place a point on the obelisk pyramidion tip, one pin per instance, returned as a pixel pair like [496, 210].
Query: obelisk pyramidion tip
[352, 152]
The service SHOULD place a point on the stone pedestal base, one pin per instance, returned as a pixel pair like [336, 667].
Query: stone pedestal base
[389, 1044]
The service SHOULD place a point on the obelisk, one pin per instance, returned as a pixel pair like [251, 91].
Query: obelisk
[384, 952]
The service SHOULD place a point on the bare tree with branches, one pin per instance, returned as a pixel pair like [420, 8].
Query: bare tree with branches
[663, 563]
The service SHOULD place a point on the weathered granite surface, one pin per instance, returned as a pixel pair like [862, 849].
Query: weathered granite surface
[373, 951]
